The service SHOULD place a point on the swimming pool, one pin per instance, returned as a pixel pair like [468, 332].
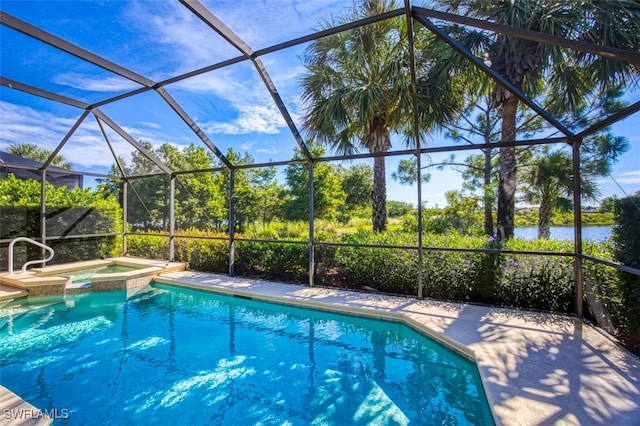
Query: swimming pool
[169, 354]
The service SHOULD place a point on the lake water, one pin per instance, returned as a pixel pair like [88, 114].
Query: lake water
[590, 233]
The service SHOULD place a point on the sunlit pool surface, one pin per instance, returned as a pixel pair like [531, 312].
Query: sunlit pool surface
[171, 355]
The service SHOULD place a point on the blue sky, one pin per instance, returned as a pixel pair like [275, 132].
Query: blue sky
[162, 39]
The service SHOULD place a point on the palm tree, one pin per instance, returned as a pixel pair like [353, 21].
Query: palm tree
[358, 90]
[34, 152]
[550, 185]
[524, 63]
[550, 181]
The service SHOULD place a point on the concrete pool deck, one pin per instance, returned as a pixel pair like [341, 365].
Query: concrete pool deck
[537, 368]
[16, 412]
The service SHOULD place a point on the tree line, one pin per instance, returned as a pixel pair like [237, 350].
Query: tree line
[357, 91]
[259, 196]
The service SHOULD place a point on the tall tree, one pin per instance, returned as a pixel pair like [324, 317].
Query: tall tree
[269, 194]
[482, 125]
[476, 125]
[520, 62]
[243, 193]
[357, 184]
[148, 203]
[328, 195]
[549, 172]
[479, 124]
[524, 62]
[199, 202]
[358, 90]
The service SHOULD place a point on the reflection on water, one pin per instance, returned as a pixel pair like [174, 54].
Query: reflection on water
[589, 233]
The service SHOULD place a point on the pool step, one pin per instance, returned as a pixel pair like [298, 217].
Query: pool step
[8, 293]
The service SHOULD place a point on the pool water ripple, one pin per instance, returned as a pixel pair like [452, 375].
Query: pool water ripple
[183, 356]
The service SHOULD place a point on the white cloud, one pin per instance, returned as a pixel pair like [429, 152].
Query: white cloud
[177, 42]
[223, 83]
[251, 118]
[628, 178]
[278, 20]
[286, 75]
[272, 150]
[182, 37]
[193, 44]
[90, 83]
[254, 109]
[151, 125]
[22, 124]
[26, 125]
[85, 149]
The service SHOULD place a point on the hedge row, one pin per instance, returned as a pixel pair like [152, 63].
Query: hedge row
[275, 261]
[530, 281]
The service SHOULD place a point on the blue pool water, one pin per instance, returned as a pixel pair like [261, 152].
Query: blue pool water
[176, 356]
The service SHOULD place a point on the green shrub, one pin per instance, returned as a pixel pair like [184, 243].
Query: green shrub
[91, 248]
[596, 219]
[539, 282]
[326, 267]
[532, 281]
[602, 285]
[210, 255]
[626, 237]
[388, 270]
[529, 217]
[149, 246]
[602, 290]
[443, 221]
[450, 274]
[276, 261]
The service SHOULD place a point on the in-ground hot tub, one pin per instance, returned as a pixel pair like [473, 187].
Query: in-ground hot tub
[118, 273]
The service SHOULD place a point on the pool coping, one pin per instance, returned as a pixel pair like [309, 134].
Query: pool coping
[526, 359]
[18, 412]
[8, 293]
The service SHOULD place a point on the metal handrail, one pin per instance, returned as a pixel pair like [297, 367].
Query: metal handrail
[31, 262]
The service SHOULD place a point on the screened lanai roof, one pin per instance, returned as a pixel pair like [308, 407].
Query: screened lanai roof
[91, 80]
